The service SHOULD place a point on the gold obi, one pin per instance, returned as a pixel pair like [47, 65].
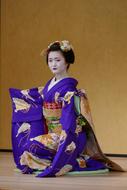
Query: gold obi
[52, 113]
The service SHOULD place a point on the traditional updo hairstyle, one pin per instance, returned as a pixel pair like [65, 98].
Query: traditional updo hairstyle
[65, 48]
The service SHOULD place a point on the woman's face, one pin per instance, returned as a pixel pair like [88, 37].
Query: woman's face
[56, 62]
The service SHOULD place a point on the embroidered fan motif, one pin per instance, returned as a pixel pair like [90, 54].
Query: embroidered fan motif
[40, 91]
[64, 170]
[50, 140]
[34, 162]
[21, 105]
[26, 93]
[70, 148]
[57, 94]
[23, 127]
[68, 96]
[63, 136]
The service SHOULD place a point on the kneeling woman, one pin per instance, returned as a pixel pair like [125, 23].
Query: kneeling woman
[67, 142]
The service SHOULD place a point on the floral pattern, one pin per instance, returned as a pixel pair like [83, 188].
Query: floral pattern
[65, 45]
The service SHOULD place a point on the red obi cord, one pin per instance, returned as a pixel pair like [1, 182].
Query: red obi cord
[52, 105]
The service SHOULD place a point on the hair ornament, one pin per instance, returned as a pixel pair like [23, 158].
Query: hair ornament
[65, 46]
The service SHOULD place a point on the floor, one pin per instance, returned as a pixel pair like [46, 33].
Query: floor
[13, 180]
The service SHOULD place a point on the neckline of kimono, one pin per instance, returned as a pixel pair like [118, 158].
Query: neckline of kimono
[55, 82]
[66, 78]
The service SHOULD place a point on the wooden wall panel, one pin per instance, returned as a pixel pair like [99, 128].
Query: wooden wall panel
[97, 30]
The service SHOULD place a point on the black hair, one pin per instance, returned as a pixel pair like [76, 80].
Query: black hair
[68, 55]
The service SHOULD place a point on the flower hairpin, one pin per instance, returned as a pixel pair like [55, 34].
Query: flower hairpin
[65, 46]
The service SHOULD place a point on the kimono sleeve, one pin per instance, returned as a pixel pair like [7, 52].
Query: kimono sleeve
[67, 150]
[27, 119]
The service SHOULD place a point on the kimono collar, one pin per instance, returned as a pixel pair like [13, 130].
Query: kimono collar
[68, 81]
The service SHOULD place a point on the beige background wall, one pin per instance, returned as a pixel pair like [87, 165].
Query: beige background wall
[98, 32]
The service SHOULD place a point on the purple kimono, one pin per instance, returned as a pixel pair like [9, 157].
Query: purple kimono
[52, 131]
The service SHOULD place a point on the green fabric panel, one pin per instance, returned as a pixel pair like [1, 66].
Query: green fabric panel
[87, 173]
[76, 173]
[82, 173]
[77, 104]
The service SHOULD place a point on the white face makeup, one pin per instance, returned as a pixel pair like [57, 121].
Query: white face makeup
[56, 62]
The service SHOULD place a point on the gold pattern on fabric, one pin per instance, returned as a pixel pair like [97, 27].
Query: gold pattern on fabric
[40, 91]
[68, 96]
[70, 148]
[57, 94]
[50, 113]
[50, 140]
[81, 162]
[21, 105]
[34, 162]
[63, 137]
[54, 126]
[85, 110]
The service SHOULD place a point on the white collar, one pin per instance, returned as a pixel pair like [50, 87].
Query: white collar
[53, 82]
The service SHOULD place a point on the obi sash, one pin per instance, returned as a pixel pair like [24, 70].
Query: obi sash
[52, 113]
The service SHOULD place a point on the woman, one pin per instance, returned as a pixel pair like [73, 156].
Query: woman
[67, 142]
